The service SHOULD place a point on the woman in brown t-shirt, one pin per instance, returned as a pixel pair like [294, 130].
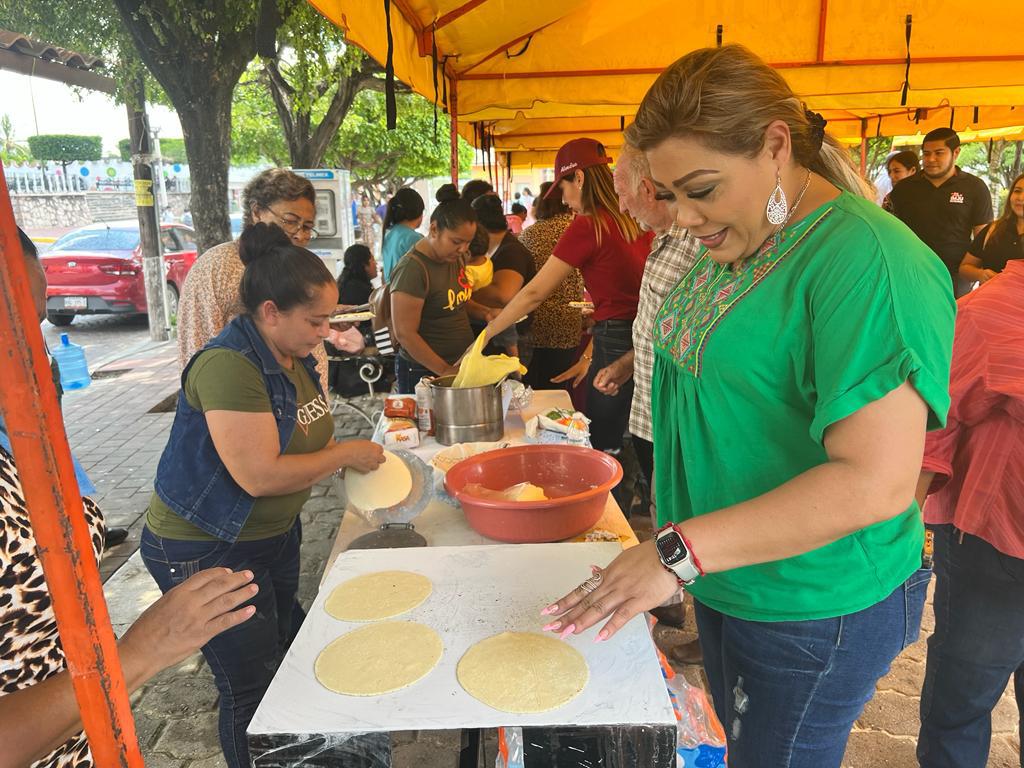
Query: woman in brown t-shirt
[429, 293]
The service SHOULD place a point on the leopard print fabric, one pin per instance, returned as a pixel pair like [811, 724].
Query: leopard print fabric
[30, 648]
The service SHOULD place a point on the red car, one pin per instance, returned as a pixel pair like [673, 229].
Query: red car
[98, 270]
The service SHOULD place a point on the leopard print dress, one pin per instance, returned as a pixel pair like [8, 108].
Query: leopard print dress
[30, 648]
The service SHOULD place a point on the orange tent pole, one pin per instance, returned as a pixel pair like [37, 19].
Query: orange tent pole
[28, 402]
[453, 112]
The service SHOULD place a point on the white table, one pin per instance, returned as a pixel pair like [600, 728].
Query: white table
[625, 704]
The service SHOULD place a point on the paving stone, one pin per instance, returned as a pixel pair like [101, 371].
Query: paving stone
[876, 749]
[190, 738]
[161, 760]
[906, 676]
[148, 726]
[328, 503]
[892, 712]
[216, 761]
[1005, 753]
[181, 697]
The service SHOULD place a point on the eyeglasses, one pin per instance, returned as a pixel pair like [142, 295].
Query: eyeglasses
[293, 224]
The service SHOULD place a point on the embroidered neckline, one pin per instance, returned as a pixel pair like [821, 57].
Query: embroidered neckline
[709, 291]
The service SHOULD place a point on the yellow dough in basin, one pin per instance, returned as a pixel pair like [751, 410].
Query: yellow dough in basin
[378, 658]
[375, 596]
[523, 672]
[386, 486]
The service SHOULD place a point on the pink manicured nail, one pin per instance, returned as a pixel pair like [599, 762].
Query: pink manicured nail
[567, 631]
[601, 636]
[549, 610]
[551, 626]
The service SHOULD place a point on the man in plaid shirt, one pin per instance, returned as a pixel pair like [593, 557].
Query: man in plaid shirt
[673, 253]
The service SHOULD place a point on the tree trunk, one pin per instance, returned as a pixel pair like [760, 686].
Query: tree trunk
[206, 125]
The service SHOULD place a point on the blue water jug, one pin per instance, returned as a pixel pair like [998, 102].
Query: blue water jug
[74, 373]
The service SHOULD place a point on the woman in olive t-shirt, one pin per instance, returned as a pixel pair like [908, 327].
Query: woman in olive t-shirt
[429, 293]
[227, 495]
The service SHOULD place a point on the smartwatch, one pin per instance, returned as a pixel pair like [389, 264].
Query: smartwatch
[674, 555]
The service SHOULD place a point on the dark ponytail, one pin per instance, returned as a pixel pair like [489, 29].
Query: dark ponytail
[405, 205]
[451, 211]
[490, 213]
[277, 270]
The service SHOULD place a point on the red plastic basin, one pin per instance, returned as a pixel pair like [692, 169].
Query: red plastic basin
[576, 480]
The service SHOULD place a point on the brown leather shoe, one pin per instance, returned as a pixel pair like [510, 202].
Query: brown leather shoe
[687, 653]
[673, 615]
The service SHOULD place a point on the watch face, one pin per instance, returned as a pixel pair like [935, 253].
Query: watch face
[671, 548]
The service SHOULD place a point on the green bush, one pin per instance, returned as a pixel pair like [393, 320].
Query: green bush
[65, 148]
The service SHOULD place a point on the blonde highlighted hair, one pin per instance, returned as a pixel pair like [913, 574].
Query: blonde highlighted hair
[599, 195]
[726, 98]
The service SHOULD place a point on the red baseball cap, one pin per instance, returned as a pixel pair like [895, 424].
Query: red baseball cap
[576, 155]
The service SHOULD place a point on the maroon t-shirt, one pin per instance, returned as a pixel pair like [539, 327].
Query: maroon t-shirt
[611, 270]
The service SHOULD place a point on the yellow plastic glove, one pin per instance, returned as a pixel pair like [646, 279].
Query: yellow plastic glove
[479, 370]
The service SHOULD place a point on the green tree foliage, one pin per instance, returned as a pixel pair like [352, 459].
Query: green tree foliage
[380, 158]
[65, 148]
[195, 49]
[11, 150]
[256, 134]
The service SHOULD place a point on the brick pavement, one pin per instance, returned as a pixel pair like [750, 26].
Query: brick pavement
[119, 442]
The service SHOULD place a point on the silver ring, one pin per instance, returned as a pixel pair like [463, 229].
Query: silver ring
[591, 584]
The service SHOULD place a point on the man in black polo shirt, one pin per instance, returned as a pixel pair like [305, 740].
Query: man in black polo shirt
[944, 205]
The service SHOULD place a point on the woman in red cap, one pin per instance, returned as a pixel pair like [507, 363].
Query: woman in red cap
[608, 248]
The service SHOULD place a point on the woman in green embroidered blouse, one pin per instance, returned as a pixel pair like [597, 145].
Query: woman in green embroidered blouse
[798, 366]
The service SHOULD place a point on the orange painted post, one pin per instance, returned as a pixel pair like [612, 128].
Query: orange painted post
[864, 148]
[453, 113]
[28, 402]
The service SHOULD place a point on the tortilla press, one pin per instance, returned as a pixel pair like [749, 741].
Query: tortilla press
[394, 524]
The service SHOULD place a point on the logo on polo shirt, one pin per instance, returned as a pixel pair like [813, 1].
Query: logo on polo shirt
[566, 168]
[956, 197]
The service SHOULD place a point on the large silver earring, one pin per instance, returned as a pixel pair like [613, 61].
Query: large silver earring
[778, 207]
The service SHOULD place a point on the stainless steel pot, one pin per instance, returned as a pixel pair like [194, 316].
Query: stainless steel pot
[466, 415]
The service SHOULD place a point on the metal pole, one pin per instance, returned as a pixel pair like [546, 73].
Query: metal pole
[161, 206]
[453, 111]
[149, 224]
[28, 402]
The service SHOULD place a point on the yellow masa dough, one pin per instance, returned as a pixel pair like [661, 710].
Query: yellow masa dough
[378, 658]
[375, 596]
[386, 486]
[523, 672]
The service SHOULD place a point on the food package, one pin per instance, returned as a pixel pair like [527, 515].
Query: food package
[559, 425]
[400, 433]
[480, 370]
[400, 406]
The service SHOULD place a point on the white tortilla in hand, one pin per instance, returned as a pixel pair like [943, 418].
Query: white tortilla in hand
[389, 484]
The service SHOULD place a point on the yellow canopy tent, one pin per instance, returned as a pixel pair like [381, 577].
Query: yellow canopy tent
[583, 65]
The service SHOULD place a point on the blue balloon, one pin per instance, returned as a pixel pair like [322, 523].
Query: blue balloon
[177, 167]
[84, 171]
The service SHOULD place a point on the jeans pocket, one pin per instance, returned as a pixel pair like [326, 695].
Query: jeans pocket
[915, 592]
[186, 558]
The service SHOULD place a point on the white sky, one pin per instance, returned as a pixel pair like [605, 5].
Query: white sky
[60, 109]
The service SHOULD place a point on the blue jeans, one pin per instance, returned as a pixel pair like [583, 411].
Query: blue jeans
[408, 375]
[788, 692]
[244, 658]
[978, 645]
[609, 414]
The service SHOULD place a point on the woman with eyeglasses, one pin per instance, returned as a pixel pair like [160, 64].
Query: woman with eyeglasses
[209, 298]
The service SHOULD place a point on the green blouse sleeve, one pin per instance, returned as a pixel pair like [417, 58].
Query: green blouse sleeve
[876, 323]
[224, 380]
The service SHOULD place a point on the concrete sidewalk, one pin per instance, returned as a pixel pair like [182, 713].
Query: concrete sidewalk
[118, 438]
